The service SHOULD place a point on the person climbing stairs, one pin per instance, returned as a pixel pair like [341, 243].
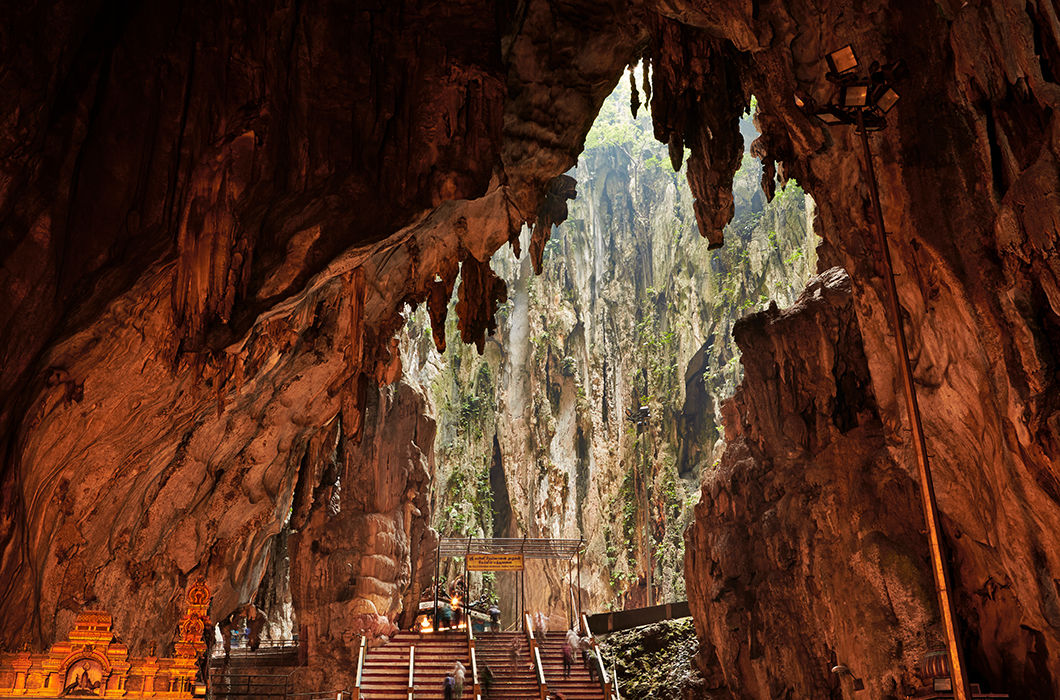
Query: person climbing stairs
[581, 684]
[386, 668]
[511, 681]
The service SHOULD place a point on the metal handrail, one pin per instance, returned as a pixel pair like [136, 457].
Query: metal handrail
[605, 682]
[266, 645]
[542, 685]
[360, 668]
[475, 688]
[252, 684]
[412, 665]
[535, 657]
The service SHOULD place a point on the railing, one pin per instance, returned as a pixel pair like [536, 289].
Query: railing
[360, 668]
[412, 665]
[265, 646]
[256, 685]
[476, 689]
[605, 682]
[535, 657]
[542, 685]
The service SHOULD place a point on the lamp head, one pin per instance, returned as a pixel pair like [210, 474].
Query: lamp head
[886, 100]
[830, 117]
[843, 61]
[854, 96]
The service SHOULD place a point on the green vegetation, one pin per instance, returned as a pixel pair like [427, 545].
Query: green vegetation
[617, 134]
[630, 299]
[654, 662]
[471, 512]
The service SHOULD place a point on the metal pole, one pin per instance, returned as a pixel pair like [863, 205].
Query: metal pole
[570, 591]
[437, 575]
[647, 532]
[579, 579]
[522, 579]
[467, 591]
[958, 673]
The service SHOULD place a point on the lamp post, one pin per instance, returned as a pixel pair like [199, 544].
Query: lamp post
[863, 102]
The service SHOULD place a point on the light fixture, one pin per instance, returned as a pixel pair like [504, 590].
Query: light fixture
[200, 689]
[887, 100]
[854, 96]
[829, 117]
[843, 60]
[863, 102]
[858, 100]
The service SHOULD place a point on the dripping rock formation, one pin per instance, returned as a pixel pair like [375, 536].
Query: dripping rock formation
[212, 217]
[632, 308]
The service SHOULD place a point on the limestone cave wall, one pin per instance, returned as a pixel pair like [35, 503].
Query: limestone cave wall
[211, 215]
[968, 172]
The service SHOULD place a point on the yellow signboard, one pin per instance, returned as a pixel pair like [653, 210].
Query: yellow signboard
[494, 562]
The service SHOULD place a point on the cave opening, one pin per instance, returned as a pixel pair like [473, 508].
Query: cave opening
[632, 309]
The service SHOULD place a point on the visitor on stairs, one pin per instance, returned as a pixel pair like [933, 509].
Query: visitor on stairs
[487, 680]
[457, 612]
[568, 658]
[587, 643]
[458, 680]
[495, 618]
[574, 641]
[445, 616]
[448, 685]
[540, 625]
[513, 654]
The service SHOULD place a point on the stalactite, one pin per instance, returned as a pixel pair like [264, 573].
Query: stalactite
[553, 211]
[697, 101]
[645, 80]
[481, 292]
[634, 96]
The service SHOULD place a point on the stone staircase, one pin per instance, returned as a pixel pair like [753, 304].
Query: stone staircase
[386, 668]
[518, 683]
[579, 685]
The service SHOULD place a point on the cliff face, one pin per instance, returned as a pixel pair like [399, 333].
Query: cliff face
[632, 309]
[211, 217]
[963, 178]
[807, 522]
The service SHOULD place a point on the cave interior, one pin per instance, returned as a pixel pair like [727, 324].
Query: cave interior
[214, 216]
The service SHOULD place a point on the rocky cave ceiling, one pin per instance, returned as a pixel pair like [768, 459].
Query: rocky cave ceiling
[213, 213]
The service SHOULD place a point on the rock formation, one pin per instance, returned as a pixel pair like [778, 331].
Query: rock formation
[807, 518]
[212, 220]
[633, 308]
[359, 542]
[211, 217]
